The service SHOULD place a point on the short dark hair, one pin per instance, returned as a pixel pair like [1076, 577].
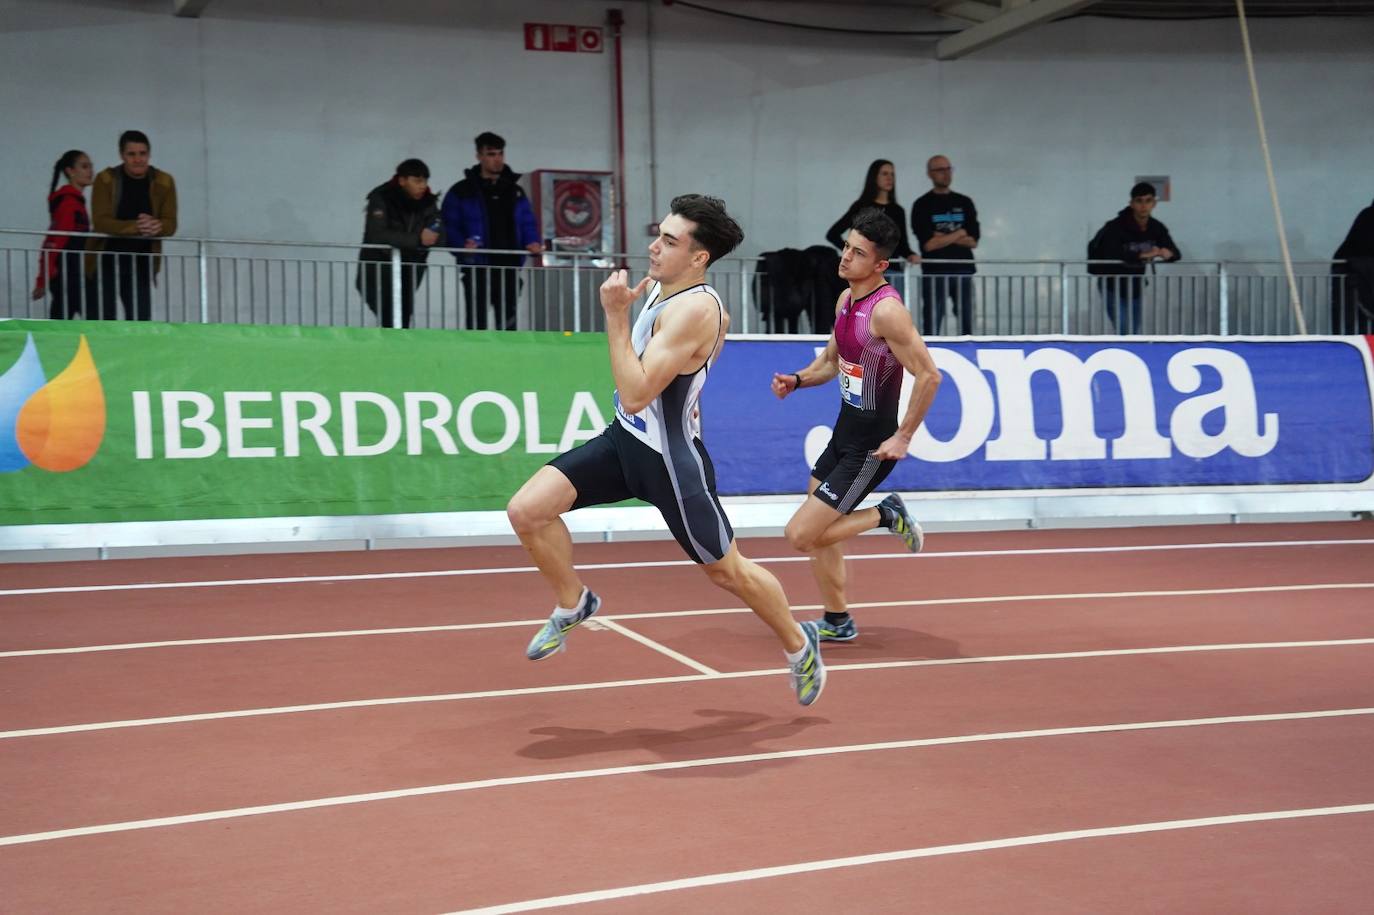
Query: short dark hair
[488, 140]
[716, 230]
[876, 226]
[1143, 189]
[413, 168]
[133, 136]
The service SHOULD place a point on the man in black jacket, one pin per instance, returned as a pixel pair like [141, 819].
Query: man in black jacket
[946, 226]
[1135, 238]
[1352, 293]
[403, 213]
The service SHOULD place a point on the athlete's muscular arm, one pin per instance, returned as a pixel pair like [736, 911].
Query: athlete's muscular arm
[892, 322]
[823, 368]
[685, 336]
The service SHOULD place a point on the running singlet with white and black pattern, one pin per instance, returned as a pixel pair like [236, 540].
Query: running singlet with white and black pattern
[672, 420]
[870, 376]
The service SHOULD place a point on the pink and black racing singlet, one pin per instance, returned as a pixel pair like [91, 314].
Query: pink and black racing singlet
[870, 376]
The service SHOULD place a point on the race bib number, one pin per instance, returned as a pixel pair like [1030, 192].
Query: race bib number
[852, 383]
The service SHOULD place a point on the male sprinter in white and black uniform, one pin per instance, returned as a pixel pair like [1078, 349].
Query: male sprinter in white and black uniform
[653, 450]
[873, 341]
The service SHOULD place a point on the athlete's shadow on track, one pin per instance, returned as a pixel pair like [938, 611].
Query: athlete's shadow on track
[727, 733]
[891, 643]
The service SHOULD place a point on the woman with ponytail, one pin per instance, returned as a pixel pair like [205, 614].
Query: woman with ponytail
[61, 270]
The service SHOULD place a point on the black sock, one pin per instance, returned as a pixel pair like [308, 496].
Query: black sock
[885, 516]
[836, 619]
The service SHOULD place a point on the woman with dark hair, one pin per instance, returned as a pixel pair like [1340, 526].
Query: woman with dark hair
[403, 213]
[880, 190]
[61, 269]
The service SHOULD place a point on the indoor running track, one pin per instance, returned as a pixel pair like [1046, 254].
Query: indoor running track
[1172, 719]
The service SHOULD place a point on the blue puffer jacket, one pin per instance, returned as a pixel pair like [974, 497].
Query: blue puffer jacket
[465, 213]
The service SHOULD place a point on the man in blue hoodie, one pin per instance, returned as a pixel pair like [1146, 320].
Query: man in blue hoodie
[488, 210]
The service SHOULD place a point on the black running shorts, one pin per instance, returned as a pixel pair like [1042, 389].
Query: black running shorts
[616, 466]
[846, 469]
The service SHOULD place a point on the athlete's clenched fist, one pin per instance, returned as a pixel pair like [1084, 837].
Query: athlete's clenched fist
[616, 294]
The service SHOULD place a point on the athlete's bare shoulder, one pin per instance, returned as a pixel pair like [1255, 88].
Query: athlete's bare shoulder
[690, 305]
[840, 300]
[890, 316]
[693, 314]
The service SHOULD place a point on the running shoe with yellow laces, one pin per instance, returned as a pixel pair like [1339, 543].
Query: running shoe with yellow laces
[808, 674]
[844, 631]
[897, 519]
[554, 634]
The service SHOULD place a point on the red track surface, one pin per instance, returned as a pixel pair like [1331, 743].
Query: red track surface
[694, 774]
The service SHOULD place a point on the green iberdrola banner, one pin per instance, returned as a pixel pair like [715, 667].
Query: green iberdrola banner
[153, 422]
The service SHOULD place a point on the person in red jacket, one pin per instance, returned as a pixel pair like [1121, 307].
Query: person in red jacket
[61, 271]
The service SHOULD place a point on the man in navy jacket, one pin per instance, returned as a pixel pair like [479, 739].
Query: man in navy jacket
[1136, 239]
[488, 210]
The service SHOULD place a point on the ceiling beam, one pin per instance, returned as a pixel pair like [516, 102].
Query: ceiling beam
[189, 9]
[1004, 25]
[969, 10]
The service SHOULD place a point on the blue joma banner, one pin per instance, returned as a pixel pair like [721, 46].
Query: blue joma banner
[1072, 414]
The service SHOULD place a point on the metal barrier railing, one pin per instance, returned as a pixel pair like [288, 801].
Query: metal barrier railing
[204, 280]
[220, 281]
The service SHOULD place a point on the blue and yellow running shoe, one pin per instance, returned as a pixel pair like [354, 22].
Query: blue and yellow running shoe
[808, 674]
[555, 632]
[836, 632]
[902, 524]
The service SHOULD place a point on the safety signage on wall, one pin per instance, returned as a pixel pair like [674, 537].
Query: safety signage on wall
[543, 36]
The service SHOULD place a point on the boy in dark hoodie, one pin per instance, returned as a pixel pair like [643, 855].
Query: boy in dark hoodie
[489, 210]
[1136, 239]
[402, 213]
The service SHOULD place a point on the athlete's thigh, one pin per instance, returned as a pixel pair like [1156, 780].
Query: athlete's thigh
[595, 471]
[547, 494]
[813, 516]
[682, 486]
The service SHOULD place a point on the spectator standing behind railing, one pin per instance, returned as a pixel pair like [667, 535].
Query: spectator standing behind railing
[880, 191]
[62, 269]
[488, 209]
[402, 213]
[1352, 300]
[946, 226]
[135, 204]
[1136, 239]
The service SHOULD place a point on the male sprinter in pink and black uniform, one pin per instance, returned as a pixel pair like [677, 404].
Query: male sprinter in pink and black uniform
[873, 341]
[652, 450]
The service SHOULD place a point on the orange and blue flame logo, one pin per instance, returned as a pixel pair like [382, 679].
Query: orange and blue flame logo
[56, 425]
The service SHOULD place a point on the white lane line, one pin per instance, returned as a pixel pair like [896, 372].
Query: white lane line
[655, 681]
[669, 614]
[509, 570]
[347, 704]
[788, 870]
[1103, 653]
[276, 637]
[1017, 598]
[659, 647]
[480, 784]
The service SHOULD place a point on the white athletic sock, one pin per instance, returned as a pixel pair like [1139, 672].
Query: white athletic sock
[566, 613]
[795, 657]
